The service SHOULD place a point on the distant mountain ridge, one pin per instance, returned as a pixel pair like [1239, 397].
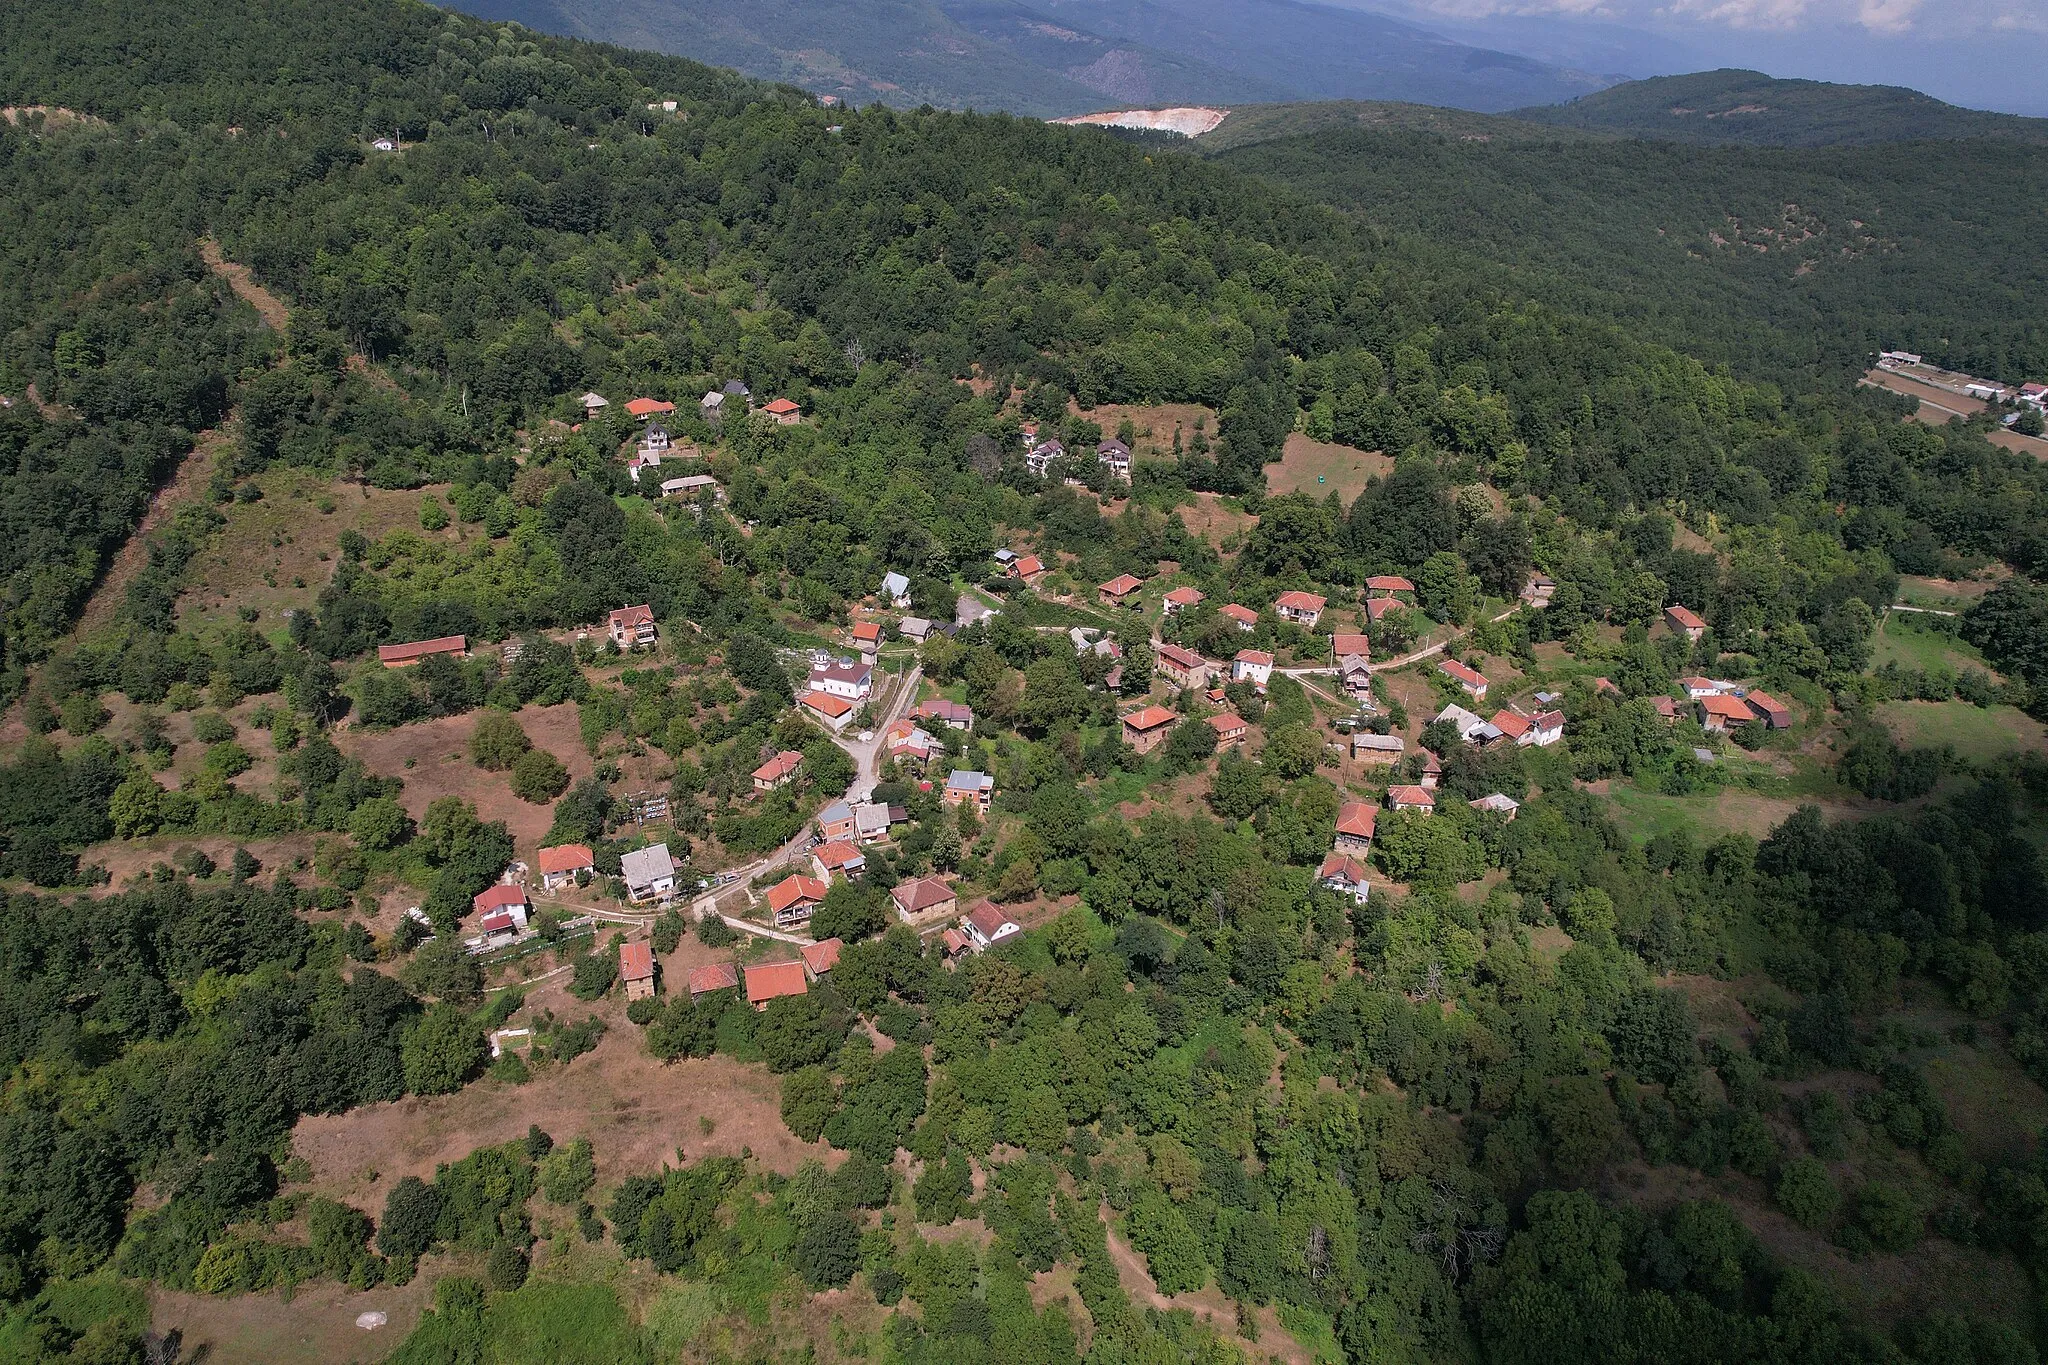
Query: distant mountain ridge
[1748, 108]
[1055, 57]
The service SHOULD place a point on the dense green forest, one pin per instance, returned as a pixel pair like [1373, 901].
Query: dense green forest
[1401, 1124]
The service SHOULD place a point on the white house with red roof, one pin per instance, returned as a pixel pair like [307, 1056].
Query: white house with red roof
[1302, 608]
[632, 627]
[795, 898]
[778, 771]
[1683, 621]
[1356, 821]
[830, 711]
[1471, 680]
[1419, 799]
[1254, 666]
[1180, 599]
[562, 864]
[988, 925]
[848, 682]
[503, 908]
[1247, 619]
[1182, 666]
[1345, 875]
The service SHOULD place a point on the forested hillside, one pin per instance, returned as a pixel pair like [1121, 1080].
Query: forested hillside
[1655, 1062]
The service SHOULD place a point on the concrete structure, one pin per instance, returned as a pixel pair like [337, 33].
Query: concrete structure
[795, 898]
[967, 786]
[1254, 666]
[650, 874]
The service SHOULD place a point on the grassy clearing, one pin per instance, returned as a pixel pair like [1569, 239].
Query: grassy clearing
[1977, 733]
[1901, 642]
[1644, 815]
[1321, 467]
[1996, 1107]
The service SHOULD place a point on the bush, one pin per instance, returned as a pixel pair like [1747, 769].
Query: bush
[444, 1049]
[506, 1268]
[539, 777]
[1888, 1216]
[411, 1213]
[1807, 1194]
[211, 727]
[642, 1011]
[568, 1172]
[593, 975]
[668, 932]
[827, 1250]
[714, 932]
[498, 741]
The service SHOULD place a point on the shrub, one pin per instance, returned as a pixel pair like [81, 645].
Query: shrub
[498, 741]
[568, 1172]
[539, 777]
[444, 1049]
[506, 1268]
[211, 727]
[1888, 1215]
[1806, 1192]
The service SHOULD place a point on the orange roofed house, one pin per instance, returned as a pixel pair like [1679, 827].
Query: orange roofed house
[1230, 729]
[1684, 622]
[1420, 799]
[821, 957]
[643, 408]
[719, 976]
[774, 980]
[1355, 824]
[1146, 729]
[1721, 713]
[1302, 608]
[1182, 667]
[1471, 680]
[1119, 591]
[632, 627]
[783, 412]
[833, 711]
[922, 898]
[402, 656]
[1180, 599]
[561, 864]
[1388, 583]
[778, 771]
[795, 898]
[1028, 568]
[1247, 619]
[636, 969]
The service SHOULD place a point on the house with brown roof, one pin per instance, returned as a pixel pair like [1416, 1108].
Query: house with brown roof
[1254, 666]
[839, 858]
[1382, 584]
[1666, 708]
[820, 957]
[631, 627]
[955, 944]
[988, 925]
[719, 976]
[774, 980]
[561, 864]
[1432, 770]
[1685, 622]
[1722, 712]
[1769, 710]
[1247, 619]
[849, 682]
[1345, 875]
[831, 711]
[1028, 569]
[795, 898]
[923, 898]
[404, 656]
[1180, 599]
[782, 412]
[636, 969]
[1120, 591]
[778, 771]
[956, 714]
[1420, 799]
[1230, 729]
[1377, 607]
[1182, 666]
[1147, 728]
[1302, 608]
[643, 408]
[1349, 642]
[1471, 680]
[1356, 821]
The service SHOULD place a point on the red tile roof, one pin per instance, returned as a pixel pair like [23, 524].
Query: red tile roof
[1721, 704]
[636, 961]
[987, 919]
[495, 897]
[793, 888]
[647, 407]
[779, 767]
[1341, 645]
[1389, 582]
[719, 976]
[1184, 597]
[1357, 819]
[773, 980]
[1243, 615]
[1342, 865]
[824, 703]
[1767, 704]
[823, 956]
[629, 617]
[1685, 617]
[1510, 724]
[1463, 674]
[836, 854]
[955, 941]
[1255, 656]
[565, 858]
[1412, 796]
[1178, 657]
[1149, 718]
[916, 897]
[1029, 565]
[1301, 601]
[1228, 724]
[1377, 607]
[1122, 585]
[420, 649]
[867, 630]
[779, 407]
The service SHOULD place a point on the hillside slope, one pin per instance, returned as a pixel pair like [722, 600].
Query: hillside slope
[1751, 109]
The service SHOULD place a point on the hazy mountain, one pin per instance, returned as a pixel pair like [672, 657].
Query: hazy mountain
[1057, 57]
[1749, 108]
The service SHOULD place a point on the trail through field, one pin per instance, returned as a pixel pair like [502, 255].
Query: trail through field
[1208, 1303]
[268, 306]
[186, 483]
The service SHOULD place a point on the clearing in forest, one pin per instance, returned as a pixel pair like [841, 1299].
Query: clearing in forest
[1342, 469]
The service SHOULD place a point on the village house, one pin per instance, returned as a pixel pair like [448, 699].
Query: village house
[833, 712]
[1247, 619]
[1420, 799]
[867, 640]
[896, 588]
[1683, 622]
[719, 976]
[1115, 456]
[1230, 729]
[988, 926]
[712, 406]
[1302, 608]
[1367, 747]
[870, 822]
[968, 786]
[1344, 875]
[1698, 688]
[820, 957]
[632, 627]
[1179, 600]
[2034, 396]
[636, 969]
[1382, 585]
[562, 864]
[1028, 569]
[655, 441]
[503, 908]
[1354, 672]
[1470, 725]
[915, 628]
[1147, 728]
[795, 898]
[849, 682]
[692, 486]
[774, 980]
[641, 409]
[404, 656]
[1769, 710]
[957, 715]
[778, 771]
[836, 821]
[1041, 456]
[923, 898]
[1120, 591]
[1474, 683]
[1666, 708]
[1498, 803]
[1254, 666]
[1541, 730]
[838, 858]
[594, 403]
[1356, 821]
[1721, 713]
[1182, 666]
[1538, 591]
[954, 944]
[1377, 607]
[649, 873]
[1432, 770]
[907, 742]
[1350, 642]
[782, 412]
